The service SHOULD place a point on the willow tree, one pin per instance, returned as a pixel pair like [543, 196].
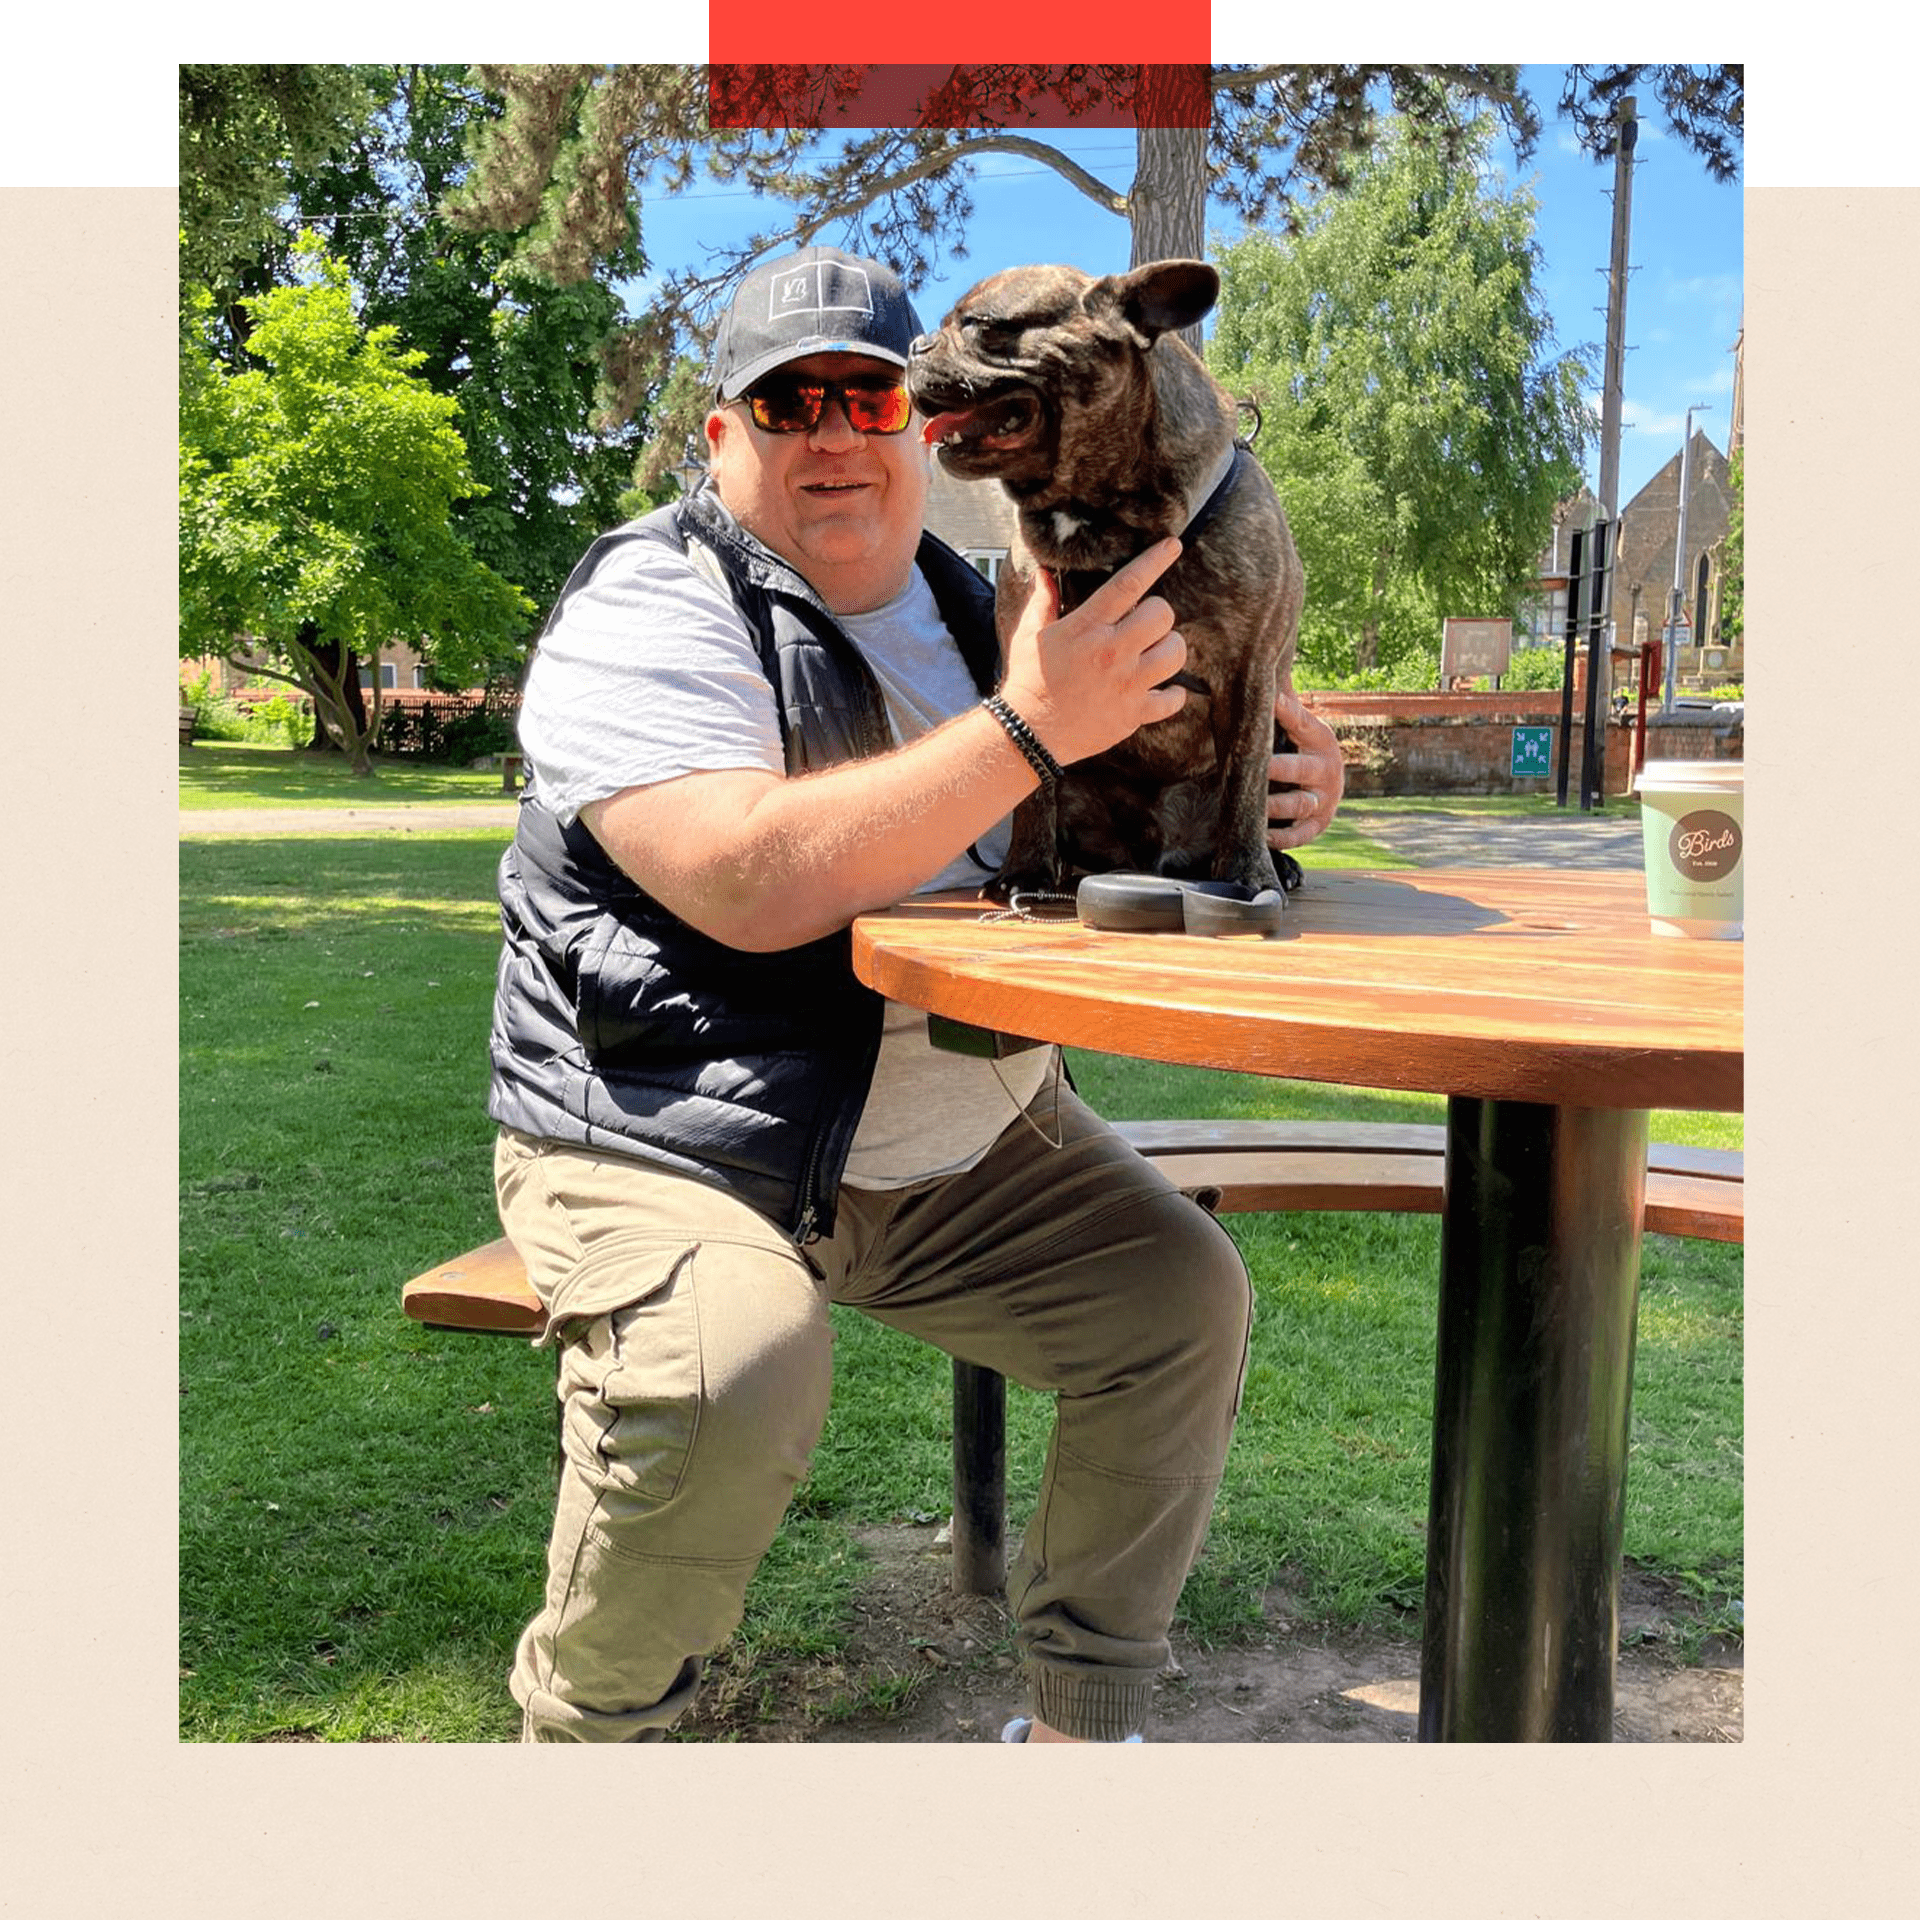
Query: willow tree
[1415, 416]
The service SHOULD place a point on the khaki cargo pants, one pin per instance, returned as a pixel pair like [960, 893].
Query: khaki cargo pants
[694, 1369]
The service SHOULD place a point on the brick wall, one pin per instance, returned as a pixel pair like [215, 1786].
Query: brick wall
[1434, 743]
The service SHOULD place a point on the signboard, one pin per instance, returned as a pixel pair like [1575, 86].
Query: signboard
[1532, 752]
[1469, 648]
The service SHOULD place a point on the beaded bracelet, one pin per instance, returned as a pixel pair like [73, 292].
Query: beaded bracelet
[1023, 736]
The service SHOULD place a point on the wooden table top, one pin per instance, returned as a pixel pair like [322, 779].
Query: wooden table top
[1507, 983]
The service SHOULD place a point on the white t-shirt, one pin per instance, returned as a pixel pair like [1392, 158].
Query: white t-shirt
[651, 673]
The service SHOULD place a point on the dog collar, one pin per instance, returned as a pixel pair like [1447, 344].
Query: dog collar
[1219, 483]
[1076, 585]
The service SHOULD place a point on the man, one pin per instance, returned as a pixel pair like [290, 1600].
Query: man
[753, 716]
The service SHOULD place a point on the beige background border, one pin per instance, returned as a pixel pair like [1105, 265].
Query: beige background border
[1813, 1812]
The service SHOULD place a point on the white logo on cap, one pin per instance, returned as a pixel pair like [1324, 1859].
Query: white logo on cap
[822, 286]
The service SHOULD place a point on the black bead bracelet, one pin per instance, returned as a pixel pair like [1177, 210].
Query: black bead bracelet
[1023, 736]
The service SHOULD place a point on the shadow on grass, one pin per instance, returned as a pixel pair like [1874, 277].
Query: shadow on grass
[225, 774]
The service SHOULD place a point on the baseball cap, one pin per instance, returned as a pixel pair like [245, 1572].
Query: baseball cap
[819, 300]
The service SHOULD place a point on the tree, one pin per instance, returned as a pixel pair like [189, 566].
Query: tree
[563, 165]
[316, 495]
[367, 156]
[1733, 555]
[519, 352]
[1705, 107]
[1413, 416]
[241, 129]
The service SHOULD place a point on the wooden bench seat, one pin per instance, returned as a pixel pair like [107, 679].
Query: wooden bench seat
[1229, 1166]
[1333, 1166]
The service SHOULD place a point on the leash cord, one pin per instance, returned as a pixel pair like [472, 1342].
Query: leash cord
[1018, 903]
[1017, 908]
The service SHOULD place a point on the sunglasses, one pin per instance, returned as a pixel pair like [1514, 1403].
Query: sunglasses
[794, 405]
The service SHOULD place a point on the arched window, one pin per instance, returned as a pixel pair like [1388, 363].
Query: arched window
[1700, 600]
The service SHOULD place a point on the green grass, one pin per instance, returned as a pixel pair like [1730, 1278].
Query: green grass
[239, 774]
[364, 1503]
[1483, 806]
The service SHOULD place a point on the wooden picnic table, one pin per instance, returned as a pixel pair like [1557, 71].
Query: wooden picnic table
[1551, 1016]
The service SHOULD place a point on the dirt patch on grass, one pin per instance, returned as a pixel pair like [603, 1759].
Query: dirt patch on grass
[925, 1664]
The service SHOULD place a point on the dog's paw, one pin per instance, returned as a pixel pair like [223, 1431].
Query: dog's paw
[1290, 871]
[1258, 870]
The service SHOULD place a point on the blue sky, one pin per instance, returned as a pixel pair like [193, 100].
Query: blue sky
[1683, 297]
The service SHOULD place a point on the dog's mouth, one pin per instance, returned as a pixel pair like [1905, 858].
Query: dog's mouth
[999, 426]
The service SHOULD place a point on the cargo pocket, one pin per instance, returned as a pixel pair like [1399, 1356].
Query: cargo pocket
[630, 1388]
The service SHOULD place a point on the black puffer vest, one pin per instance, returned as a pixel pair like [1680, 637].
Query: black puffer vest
[619, 1027]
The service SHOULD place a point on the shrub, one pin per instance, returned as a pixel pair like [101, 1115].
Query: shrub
[1417, 672]
[456, 729]
[283, 718]
[280, 721]
[1535, 669]
[470, 735]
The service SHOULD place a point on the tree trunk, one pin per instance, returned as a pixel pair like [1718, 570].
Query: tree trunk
[1367, 652]
[339, 713]
[338, 667]
[1169, 195]
[1168, 202]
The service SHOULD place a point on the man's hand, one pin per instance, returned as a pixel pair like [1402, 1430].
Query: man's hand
[1085, 680]
[1314, 770]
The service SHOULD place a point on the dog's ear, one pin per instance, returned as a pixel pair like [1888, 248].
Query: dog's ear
[1161, 297]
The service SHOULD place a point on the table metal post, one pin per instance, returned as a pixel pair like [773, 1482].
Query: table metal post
[1540, 1264]
[979, 1479]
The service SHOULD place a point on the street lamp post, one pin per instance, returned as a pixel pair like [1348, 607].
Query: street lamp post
[1679, 558]
[690, 472]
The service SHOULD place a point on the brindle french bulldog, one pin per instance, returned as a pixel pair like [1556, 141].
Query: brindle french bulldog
[1109, 433]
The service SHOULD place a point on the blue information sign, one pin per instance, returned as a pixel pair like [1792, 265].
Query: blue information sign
[1532, 752]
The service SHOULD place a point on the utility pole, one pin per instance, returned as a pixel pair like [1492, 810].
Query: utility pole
[1616, 352]
[1679, 557]
[1603, 540]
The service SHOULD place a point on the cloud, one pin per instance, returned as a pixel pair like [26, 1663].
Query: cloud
[994, 166]
[1727, 289]
[1657, 423]
[1637, 416]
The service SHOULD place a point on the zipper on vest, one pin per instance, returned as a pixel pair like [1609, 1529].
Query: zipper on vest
[808, 1229]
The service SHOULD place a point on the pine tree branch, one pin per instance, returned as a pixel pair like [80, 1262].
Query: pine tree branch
[940, 160]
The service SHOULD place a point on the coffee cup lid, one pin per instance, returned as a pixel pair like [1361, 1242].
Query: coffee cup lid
[1706, 776]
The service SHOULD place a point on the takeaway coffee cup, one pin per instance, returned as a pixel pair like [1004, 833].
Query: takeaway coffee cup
[1690, 827]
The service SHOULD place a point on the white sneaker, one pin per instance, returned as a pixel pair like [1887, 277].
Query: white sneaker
[1017, 1729]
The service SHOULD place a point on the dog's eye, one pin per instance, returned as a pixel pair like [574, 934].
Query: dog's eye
[990, 335]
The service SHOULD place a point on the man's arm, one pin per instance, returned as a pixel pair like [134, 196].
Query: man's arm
[765, 863]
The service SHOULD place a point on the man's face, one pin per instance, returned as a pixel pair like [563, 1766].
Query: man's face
[842, 507]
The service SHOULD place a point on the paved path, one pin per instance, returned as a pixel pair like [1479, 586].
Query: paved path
[1609, 838]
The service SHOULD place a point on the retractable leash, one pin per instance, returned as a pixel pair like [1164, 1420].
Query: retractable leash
[1153, 903]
